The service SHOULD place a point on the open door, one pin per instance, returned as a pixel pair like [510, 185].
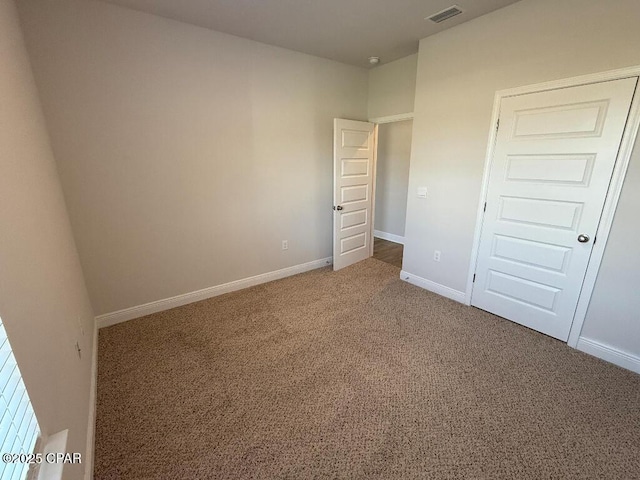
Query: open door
[353, 166]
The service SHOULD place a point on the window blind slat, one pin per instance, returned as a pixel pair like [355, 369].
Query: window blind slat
[12, 385]
[8, 470]
[5, 352]
[7, 425]
[20, 472]
[18, 425]
[19, 467]
[14, 403]
[5, 375]
[23, 409]
[32, 435]
[13, 466]
[22, 426]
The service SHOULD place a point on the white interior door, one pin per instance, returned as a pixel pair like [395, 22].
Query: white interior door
[552, 164]
[353, 154]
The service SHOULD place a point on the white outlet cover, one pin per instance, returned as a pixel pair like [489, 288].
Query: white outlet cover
[422, 192]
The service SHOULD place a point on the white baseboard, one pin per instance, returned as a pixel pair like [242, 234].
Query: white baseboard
[120, 316]
[434, 287]
[609, 353]
[388, 236]
[91, 428]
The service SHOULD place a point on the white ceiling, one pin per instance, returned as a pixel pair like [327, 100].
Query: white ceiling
[348, 31]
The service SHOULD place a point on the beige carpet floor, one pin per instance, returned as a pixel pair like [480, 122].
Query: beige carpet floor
[352, 375]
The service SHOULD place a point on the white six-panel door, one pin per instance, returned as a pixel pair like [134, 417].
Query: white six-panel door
[552, 164]
[353, 153]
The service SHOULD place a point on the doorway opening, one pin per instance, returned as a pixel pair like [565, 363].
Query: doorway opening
[391, 190]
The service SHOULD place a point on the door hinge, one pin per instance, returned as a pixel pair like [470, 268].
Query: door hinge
[485, 207]
[594, 240]
[474, 278]
[497, 125]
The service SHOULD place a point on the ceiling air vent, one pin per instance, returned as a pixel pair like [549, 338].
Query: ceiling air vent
[445, 14]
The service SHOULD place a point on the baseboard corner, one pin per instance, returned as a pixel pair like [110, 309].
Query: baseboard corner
[434, 287]
[388, 236]
[609, 354]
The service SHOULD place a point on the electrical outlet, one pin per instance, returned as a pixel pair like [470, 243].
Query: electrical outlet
[436, 255]
[285, 244]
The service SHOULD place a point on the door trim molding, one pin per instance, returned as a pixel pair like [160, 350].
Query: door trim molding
[374, 181]
[91, 427]
[392, 118]
[379, 121]
[613, 195]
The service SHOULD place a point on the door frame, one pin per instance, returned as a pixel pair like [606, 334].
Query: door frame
[611, 200]
[401, 117]
[374, 179]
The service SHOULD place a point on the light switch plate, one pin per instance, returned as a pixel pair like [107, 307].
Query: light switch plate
[422, 192]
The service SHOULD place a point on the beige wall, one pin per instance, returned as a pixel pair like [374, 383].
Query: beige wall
[392, 176]
[392, 87]
[43, 301]
[459, 71]
[186, 155]
[613, 317]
